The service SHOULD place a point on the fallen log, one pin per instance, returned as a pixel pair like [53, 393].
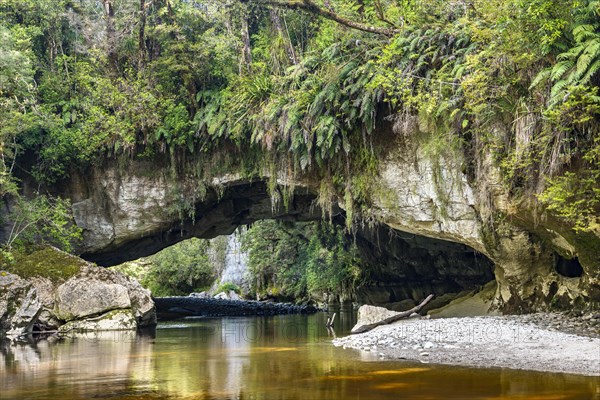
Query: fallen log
[393, 318]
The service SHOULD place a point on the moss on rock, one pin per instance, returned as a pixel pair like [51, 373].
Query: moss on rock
[46, 262]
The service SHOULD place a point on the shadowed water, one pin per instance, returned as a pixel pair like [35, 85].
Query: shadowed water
[283, 357]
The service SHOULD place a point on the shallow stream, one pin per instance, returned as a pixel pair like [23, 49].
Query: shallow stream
[282, 357]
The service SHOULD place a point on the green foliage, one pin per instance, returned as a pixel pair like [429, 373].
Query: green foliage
[422, 72]
[575, 197]
[17, 99]
[228, 287]
[42, 219]
[297, 261]
[580, 63]
[189, 266]
[180, 269]
[137, 269]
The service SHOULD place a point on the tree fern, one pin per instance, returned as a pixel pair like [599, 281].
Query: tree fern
[580, 63]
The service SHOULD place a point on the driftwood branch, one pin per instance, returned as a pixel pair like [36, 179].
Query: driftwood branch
[394, 318]
[313, 8]
[329, 323]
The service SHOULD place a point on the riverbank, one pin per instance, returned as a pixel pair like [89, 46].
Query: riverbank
[179, 307]
[536, 342]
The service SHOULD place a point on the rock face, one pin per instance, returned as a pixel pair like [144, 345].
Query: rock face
[236, 263]
[426, 196]
[92, 299]
[128, 215]
[19, 305]
[116, 320]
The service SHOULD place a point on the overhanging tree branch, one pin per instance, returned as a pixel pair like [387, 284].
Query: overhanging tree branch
[313, 8]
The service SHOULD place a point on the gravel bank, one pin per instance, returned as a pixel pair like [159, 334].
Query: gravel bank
[529, 342]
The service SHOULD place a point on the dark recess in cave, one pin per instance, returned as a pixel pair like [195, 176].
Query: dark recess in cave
[570, 268]
[404, 266]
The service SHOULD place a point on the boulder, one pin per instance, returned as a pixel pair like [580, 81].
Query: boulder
[81, 297]
[369, 315]
[140, 298]
[228, 295]
[55, 292]
[46, 289]
[19, 305]
[116, 320]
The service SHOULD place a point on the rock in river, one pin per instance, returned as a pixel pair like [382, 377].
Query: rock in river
[81, 297]
[19, 306]
[368, 315]
[49, 289]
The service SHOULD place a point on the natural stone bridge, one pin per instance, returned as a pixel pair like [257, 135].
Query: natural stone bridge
[430, 236]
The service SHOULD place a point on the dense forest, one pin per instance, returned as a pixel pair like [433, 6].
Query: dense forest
[300, 262]
[300, 83]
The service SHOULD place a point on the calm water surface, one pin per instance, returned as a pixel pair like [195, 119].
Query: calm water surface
[286, 357]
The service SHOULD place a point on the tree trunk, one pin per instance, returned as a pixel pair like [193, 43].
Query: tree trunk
[111, 40]
[278, 24]
[246, 51]
[142, 35]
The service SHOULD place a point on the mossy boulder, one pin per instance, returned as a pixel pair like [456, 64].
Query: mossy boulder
[49, 289]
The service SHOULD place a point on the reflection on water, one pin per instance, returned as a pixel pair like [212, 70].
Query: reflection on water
[285, 357]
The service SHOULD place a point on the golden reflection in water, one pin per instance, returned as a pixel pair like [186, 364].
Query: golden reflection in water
[392, 386]
[531, 397]
[288, 357]
[399, 371]
[344, 378]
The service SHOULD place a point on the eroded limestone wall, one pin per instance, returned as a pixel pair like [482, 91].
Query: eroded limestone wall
[132, 211]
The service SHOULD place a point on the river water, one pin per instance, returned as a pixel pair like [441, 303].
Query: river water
[283, 357]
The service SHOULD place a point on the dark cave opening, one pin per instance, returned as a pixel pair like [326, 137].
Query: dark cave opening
[406, 266]
[568, 267]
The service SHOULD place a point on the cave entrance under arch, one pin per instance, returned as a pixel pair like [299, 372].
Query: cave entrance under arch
[401, 265]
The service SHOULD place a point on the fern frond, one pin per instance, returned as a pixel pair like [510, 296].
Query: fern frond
[584, 32]
[557, 90]
[561, 68]
[543, 76]
[593, 69]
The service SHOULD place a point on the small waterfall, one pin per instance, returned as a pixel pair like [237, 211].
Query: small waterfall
[236, 262]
